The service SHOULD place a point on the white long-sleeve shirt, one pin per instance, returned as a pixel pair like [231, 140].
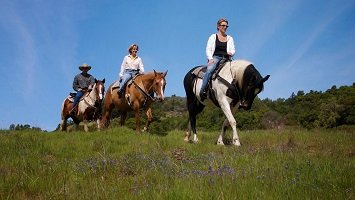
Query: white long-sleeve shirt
[211, 46]
[131, 63]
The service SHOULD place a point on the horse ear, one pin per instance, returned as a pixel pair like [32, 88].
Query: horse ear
[155, 73]
[165, 73]
[266, 78]
[103, 81]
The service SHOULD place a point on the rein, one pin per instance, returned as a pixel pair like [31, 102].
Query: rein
[93, 102]
[233, 89]
[145, 94]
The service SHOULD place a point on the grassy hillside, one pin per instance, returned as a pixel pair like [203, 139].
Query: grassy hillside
[118, 164]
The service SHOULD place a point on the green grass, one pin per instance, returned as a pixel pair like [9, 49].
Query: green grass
[119, 164]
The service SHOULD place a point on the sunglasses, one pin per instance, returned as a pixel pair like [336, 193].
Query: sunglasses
[224, 26]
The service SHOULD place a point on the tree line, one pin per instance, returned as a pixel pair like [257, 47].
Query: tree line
[316, 109]
[20, 127]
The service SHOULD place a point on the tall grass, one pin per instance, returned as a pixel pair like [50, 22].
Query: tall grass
[119, 164]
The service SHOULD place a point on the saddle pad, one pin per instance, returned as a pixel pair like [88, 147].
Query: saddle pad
[199, 71]
[70, 98]
[116, 84]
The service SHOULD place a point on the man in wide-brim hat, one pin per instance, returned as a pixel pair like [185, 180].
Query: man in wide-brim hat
[84, 66]
[82, 83]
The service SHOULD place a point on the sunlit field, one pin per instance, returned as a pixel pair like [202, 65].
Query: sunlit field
[119, 164]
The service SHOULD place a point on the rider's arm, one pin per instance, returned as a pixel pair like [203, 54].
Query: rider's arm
[123, 67]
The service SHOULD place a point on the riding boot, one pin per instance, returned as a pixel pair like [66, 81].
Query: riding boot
[120, 93]
[203, 95]
[73, 111]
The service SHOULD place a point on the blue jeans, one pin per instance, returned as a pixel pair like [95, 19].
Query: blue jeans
[128, 74]
[209, 71]
[78, 95]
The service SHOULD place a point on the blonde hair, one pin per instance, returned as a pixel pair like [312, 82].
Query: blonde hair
[220, 21]
[131, 47]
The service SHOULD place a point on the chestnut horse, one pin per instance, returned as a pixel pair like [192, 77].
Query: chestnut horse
[136, 96]
[89, 107]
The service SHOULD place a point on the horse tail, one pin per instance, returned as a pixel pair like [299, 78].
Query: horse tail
[107, 108]
[193, 104]
[62, 109]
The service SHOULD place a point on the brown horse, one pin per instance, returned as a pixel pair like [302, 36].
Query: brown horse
[89, 107]
[137, 96]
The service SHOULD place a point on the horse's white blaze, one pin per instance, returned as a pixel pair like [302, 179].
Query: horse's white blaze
[161, 89]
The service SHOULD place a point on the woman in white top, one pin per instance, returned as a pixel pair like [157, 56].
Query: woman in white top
[131, 65]
[219, 46]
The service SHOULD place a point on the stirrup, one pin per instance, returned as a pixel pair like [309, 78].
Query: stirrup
[203, 95]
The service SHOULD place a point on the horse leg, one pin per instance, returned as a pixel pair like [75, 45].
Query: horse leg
[229, 115]
[188, 132]
[98, 122]
[108, 107]
[63, 126]
[149, 118]
[86, 128]
[223, 131]
[123, 118]
[194, 108]
[193, 127]
[138, 129]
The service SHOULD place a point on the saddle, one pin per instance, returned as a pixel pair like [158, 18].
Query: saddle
[200, 71]
[72, 95]
[232, 91]
[117, 84]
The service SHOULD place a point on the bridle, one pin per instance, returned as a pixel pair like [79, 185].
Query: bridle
[97, 101]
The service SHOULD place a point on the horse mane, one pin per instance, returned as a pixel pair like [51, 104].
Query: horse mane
[251, 75]
[246, 73]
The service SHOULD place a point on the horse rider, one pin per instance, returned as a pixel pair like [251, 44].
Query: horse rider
[82, 83]
[219, 46]
[131, 65]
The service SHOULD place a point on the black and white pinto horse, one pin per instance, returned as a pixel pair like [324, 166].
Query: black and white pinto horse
[233, 86]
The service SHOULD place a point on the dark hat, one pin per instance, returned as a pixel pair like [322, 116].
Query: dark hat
[83, 66]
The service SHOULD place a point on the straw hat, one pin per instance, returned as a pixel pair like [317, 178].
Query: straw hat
[83, 66]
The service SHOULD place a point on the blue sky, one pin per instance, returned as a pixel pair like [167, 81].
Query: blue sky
[303, 44]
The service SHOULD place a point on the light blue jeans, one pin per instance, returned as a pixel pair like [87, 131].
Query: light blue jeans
[128, 74]
[209, 71]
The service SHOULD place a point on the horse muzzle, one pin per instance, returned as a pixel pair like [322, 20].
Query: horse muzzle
[160, 98]
[244, 105]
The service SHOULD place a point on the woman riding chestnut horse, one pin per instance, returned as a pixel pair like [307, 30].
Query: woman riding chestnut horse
[136, 95]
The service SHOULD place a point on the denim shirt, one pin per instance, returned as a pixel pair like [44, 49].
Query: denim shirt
[82, 81]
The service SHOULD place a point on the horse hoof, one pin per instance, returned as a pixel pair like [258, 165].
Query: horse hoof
[236, 143]
[186, 139]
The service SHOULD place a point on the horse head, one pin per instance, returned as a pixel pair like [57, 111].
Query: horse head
[159, 84]
[99, 90]
[252, 85]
